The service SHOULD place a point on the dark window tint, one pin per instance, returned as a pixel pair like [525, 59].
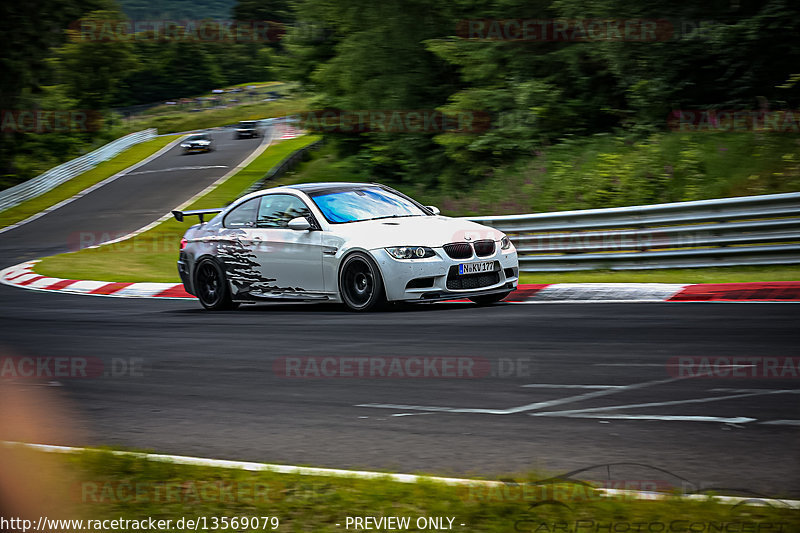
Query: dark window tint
[278, 209]
[243, 216]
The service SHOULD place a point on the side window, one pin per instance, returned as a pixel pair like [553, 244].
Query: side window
[244, 216]
[277, 210]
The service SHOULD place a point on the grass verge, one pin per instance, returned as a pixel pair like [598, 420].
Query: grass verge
[325, 165]
[104, 170]
[151, 255]
[99, 486]
[739, 274]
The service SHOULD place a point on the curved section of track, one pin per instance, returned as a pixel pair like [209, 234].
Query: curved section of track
[556, 387]
[127, 203]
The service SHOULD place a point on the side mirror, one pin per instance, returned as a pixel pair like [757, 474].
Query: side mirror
[299, 224]
[434, 209]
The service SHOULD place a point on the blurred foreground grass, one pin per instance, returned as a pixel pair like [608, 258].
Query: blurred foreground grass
[106, 486]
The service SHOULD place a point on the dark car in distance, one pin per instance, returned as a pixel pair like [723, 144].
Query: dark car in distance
[247, 129]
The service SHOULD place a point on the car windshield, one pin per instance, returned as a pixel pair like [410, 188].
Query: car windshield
[364, 204]
[247, 124]
[198, 138]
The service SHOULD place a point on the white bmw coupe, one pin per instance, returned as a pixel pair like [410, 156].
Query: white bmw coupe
[361, 244]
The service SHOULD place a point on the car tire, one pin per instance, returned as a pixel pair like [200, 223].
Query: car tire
[489, 299]
[361, 283]
[211, 286]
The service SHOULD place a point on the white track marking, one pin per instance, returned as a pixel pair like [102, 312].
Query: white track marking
[401, 478]
[44, 282]
[86, 191]
[663, 404]
[556, 386]
[741, 390]
[781, 423]
[25, 277]
[87, 286]
[671, 302]
[139, 290]
[610, 301]
[523, 408]
[668, 418]
[642, 292]
[661, 365]
[665, 365]
[177, 168]
[265, 143]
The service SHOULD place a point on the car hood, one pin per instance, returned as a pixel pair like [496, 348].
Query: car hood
[432, 231]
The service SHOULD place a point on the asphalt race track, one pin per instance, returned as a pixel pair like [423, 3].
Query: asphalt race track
[215, 384]
[127, 203]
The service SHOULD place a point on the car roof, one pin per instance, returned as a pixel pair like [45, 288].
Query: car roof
[309, 189]
[331, 186]
[315, 189]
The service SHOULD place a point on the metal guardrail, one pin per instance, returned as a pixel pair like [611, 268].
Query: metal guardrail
[751, 230]
[66, 171]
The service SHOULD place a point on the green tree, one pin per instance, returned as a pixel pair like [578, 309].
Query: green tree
[92, 69]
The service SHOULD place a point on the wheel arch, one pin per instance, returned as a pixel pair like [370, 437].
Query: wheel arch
[381, 299]
[347, 254]
[199, 259]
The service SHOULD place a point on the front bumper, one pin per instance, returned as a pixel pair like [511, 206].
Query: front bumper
[436, 278]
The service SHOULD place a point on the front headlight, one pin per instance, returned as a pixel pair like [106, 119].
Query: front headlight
[505, 243]
[410, 252]
[184, 145]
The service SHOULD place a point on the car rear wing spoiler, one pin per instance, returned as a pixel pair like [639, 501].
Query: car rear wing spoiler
[200, 213]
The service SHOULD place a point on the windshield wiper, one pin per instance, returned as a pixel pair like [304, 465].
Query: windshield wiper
[390, 216]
